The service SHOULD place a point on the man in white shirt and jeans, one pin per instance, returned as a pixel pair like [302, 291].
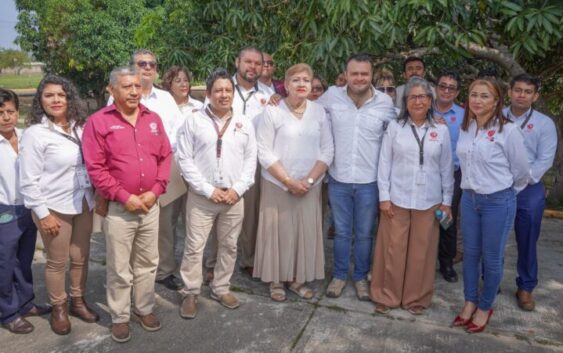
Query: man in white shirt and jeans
[217, 157]
[358, 114]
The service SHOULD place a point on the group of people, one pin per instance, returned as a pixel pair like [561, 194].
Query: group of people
[245, 169]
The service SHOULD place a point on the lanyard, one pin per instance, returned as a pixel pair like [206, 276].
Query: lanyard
[73, 139]
[220, 133]
[247, 98]
[420, 145]
[527, 119]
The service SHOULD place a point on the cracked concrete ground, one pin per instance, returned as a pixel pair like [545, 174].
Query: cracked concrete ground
[319, 325]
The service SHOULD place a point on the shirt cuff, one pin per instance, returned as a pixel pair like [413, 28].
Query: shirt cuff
[122, 196]
[41, 211]
[384, 196]
[208, 190]
[157, 190]
[240, 188]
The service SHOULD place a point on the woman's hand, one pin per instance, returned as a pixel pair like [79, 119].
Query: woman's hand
[448, 211]
[50, 225]
[297, 187]
[386, 208]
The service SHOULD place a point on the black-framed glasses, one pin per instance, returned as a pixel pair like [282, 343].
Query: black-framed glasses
[420, 97]
[447, 88]
[268, 63]
[143, 64]
[386, 89]
[317, 89]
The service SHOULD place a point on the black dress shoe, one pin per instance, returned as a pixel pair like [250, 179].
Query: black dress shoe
[171, 282]
[448, 273]
[19, 326]
[39, 310]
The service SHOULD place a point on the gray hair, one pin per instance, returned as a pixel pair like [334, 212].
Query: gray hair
[141, 51]
[121, 71]
[412, 83]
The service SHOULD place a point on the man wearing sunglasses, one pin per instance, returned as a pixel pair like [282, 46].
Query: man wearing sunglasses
[451, 114]
[267, 77]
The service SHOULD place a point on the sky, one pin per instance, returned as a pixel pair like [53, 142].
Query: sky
[8, 21]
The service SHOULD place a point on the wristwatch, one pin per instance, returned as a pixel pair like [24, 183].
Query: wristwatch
[310, 181]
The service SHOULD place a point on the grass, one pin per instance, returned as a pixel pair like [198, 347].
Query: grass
[12, 81]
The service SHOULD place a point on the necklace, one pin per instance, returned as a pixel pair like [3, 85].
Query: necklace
[297, 110]
[65, 125]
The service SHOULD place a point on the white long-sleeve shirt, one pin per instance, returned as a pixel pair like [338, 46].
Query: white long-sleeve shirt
[197, 158]
[357, 133]
[296, 143]
[10, 191]
[492, 161]
[48, 165]
[540, 137]
[399, 166]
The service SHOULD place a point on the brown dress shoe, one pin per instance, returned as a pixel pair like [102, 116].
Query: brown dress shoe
[39, 310]
[188, 308]
[60, 324]
[525, 300]
[80, 309]
[120, 332]
[149, 322]
[227, 300]
[19, 326]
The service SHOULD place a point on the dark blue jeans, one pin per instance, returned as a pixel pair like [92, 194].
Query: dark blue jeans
[486, 221]
[529, 212]
[354, 208]
[17, 246]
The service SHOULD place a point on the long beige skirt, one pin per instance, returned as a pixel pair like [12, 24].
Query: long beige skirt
[289, 244]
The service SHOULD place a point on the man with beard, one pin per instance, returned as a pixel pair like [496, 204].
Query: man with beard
[358, 114]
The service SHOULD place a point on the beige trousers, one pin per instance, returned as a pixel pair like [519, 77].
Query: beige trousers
[72, 241]
[132, 259]
[202, 214]
[168, 220]
[405, 258]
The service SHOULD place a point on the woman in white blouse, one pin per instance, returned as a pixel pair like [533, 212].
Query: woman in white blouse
[415, 178]
[295, 148]
[57, 189]
[495, 167]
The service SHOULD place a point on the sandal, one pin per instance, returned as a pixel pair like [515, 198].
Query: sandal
[302, 290]
[277, 292]
[416, 310]
[382, 309]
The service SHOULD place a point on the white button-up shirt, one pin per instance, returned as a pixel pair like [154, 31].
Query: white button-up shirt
[188, 108]
[357, 133]
[197, 158]
[162, 103]
[10, 193]
[492, 161]
[256, 100]
[540, 137]
[296, 143]
[400, 168]
[48, 164]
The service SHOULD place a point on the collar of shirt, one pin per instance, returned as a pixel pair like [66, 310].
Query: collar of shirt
[220, 121]
[508, 113]
[49, 124]
[113, 110]
[18, 135]
[375, 93]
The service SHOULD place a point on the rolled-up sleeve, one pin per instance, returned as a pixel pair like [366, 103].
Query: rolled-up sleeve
[31, 168]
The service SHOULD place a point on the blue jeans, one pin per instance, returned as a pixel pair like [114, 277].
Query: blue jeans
[354, 208]
[486, 221]
[17, 246]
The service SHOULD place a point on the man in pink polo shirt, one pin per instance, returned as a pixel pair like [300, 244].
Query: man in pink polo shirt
[128, 157]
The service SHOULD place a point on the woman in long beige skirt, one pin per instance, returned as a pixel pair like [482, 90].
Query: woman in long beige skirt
[295, 148]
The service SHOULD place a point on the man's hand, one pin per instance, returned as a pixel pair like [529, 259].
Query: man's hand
[148, 198]
[50, 225]
[101, 205]
[297, 187]
[230, 197]
[218, 196]
[448, 211]
[134, 204]
[386, 208]
[439, 119]
[275, 99]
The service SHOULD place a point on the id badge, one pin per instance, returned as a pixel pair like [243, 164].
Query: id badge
[420, 178]
[218, 180]
[83, 178]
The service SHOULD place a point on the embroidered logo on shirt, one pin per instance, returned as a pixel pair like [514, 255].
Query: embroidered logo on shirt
[238, 125]
[530, 126]
[116, 127]
[453, 118]
[433, 136]
[490, 135]
[154, 128]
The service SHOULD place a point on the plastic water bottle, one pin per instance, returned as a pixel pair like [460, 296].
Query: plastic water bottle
[445, 222]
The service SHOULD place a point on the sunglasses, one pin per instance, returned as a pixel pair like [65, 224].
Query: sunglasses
[317, 89]
[447, 88]
[143, 64]
[386, 89]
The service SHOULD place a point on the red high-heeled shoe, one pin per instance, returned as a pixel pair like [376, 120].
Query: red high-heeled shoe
[472, 328]
[459, 321]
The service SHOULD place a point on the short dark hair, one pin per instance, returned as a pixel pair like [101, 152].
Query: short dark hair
[141, 51]
[526, 78]
[172, 73]
[362, 57]
[454, 75]
[488, 72]
[411, 59]
[76, 110]
[218, 74]
[7, 96]
[250, 48]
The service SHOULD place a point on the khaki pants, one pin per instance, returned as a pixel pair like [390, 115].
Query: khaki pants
[168, 219]
[202, 214]
[132, 259]
[404, 264]
[73, 241]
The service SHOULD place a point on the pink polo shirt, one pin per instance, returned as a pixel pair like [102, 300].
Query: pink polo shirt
[123, 159]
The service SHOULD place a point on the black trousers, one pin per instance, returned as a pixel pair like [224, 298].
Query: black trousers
[448, 238]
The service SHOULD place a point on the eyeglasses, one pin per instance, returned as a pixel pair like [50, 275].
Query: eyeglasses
[421, 97]
[317, 89]
[143, 64]
[447, 88]
[386, 89]
[268, 63]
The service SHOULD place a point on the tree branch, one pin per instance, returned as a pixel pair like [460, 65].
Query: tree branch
[495, 55]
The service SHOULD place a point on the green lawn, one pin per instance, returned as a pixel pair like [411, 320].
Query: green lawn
[12, 81]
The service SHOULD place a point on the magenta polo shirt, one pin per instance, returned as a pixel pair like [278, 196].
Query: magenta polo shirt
[123, 159]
